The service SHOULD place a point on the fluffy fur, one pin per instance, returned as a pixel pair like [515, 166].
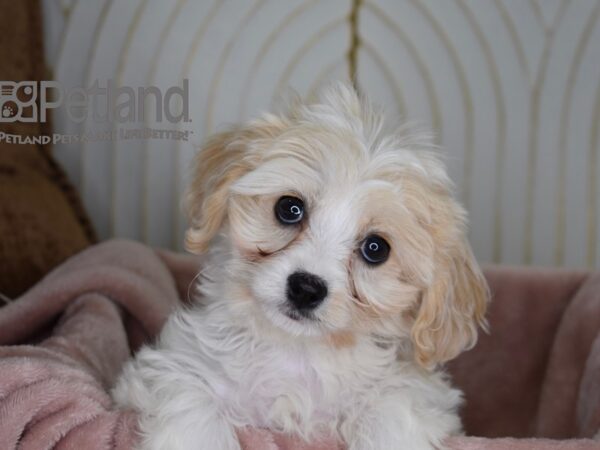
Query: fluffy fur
[366, 367]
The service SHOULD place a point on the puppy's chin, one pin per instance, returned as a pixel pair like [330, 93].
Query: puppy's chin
[293, 322]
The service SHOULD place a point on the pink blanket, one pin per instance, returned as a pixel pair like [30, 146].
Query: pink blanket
[64, 341]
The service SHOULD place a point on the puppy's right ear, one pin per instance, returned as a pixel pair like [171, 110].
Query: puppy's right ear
[222, 161]
[225, 158]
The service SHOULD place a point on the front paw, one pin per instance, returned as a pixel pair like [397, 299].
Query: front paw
[184, 432]
[392, 442]
[389, 434]
[189, 442]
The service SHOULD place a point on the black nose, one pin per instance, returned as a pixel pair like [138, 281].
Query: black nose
[305, 291]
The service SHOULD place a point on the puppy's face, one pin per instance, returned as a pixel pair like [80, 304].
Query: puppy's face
[336, 229]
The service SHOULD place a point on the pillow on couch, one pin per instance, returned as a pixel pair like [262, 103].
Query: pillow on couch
[42, 221]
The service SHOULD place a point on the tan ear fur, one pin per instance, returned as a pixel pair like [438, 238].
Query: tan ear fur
[216, 166]
[451, 308]
[225, 158]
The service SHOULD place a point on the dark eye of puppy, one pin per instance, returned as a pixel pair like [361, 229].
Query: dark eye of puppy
[289, 210]
[375, 250]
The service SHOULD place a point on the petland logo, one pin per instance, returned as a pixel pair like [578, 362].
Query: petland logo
[30, 101]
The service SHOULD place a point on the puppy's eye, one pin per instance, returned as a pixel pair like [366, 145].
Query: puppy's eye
[374, 249]
[289, 210]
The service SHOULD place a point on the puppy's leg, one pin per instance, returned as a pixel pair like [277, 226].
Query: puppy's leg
[199, 429]
[177, 410]
[399, 422]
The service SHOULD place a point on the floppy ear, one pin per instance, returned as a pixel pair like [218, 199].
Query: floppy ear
[225, 158]
[451, 308]
[216, 167]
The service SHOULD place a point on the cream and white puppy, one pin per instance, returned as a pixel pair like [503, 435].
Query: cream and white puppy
[337, 279]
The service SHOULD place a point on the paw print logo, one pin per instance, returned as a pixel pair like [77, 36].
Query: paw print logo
[18, 101]
[7, 111]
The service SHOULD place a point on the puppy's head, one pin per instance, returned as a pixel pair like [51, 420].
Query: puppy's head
[334, 228]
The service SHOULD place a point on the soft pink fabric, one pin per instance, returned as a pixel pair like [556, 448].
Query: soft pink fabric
[64, 341]
[479, 443]
[537, 372]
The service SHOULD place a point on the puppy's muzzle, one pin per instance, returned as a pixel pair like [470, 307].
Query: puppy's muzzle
[305, 291]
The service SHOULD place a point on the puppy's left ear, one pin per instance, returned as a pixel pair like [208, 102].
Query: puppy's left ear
[218, 164]
[452, 307]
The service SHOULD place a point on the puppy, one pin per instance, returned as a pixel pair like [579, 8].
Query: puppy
[337, 279]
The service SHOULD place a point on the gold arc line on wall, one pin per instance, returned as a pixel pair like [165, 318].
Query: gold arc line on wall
[197, 39]
[64, 9]
[192, 53]
[466, 96]
[516, 41]
[421, 66]
[299, 54]
[264, 49]
[63, 36]
[565, 119]
[164, 33]
[536, 6]
[527, 76]
[57, 64]
[539, 15]
[215, 81]
[145, 204]
[131, 29]
[388, 75]
[223, 58]
[65, 5]
[99, 25]
[593, 187]
[500, 107]
[75, 178]
[538, 85]
[355, 43]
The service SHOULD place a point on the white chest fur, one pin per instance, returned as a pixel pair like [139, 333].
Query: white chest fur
[210, 374]
[271, 381]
